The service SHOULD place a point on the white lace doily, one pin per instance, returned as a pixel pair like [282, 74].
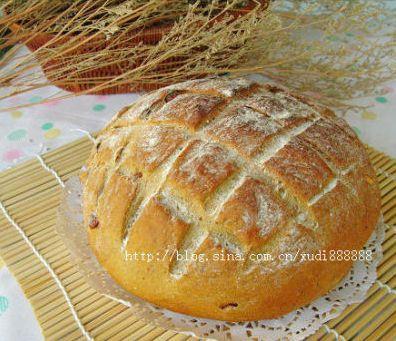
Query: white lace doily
[296, 325]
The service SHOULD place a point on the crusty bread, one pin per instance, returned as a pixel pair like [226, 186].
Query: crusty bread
[230, 167]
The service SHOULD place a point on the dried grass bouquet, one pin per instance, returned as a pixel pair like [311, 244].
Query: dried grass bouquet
[334, 50]
[84, 44]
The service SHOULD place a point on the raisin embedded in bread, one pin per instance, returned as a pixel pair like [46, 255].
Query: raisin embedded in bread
[217, 168]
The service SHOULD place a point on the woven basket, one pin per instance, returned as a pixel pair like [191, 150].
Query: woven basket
[87, 80]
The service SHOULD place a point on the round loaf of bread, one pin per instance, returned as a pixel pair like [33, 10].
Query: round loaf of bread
[204, 197]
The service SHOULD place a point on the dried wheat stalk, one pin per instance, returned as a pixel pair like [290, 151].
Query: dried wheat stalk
[350, 50]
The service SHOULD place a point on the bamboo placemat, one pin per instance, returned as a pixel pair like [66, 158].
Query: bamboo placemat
[29, 196]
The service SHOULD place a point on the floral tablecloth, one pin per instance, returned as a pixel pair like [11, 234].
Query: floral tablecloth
[28, 131]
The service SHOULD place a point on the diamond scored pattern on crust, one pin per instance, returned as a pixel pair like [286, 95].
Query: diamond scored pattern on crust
[253, 136]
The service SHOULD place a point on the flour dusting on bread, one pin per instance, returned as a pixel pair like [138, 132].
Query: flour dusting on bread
[227, 166]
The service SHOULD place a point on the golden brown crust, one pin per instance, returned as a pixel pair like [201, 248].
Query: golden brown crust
[227, 168]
